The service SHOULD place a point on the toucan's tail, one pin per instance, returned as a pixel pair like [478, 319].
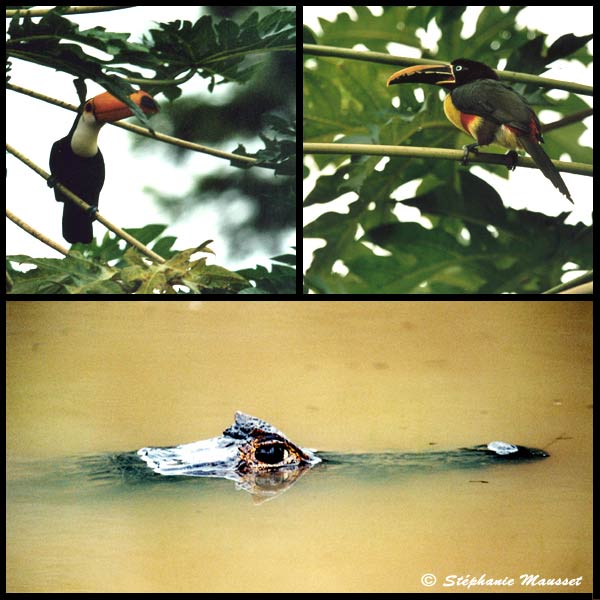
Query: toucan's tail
[542, 160]
[76, 224]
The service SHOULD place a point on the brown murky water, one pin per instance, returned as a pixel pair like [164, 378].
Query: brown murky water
[89, 378]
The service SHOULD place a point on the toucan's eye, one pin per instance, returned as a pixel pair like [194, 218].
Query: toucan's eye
[458, 68]
[89, 107]
[148, 103]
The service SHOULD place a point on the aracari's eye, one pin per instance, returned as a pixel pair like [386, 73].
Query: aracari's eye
[271, 454]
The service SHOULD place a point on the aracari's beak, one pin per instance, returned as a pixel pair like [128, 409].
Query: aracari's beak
[437, 74]
[106, 108]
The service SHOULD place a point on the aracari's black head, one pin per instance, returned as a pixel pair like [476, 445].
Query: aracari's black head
[465, 71]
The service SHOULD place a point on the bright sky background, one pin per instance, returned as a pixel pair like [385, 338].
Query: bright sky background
[555, 21]
[33, 126]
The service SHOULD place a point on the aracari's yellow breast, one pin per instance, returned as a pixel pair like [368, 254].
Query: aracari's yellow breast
[484, 131]
[466, 123]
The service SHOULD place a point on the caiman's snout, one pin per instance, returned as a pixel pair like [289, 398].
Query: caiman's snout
[206, 458]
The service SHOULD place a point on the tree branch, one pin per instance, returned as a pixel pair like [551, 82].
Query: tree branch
[441, 153]
[388, 59]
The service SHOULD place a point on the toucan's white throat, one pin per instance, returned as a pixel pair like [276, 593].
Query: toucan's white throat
[84, 141]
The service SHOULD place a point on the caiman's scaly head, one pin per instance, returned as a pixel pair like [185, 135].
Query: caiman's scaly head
[251, 452]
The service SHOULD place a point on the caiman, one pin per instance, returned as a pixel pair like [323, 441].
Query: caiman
[263, 461]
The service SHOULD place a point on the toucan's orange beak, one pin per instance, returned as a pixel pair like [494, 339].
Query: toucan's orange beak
[106, 108]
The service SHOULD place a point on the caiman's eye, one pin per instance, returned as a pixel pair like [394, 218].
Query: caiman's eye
[271, 454]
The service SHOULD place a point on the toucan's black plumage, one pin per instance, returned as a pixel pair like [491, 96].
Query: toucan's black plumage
[77, 163]
[486, 109]
[85, 178]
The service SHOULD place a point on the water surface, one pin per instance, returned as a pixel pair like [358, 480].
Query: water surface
[95, 378]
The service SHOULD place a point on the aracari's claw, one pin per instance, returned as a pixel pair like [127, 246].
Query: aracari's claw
[468, 148]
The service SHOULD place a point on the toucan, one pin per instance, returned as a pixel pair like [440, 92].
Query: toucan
[485, 109]
[77, 163]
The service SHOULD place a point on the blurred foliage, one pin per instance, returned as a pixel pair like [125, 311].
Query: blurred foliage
[86, 270]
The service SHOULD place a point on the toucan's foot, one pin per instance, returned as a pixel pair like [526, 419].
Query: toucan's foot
[511, 159]
[92, 210]
[468, 148]
[51, 181]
